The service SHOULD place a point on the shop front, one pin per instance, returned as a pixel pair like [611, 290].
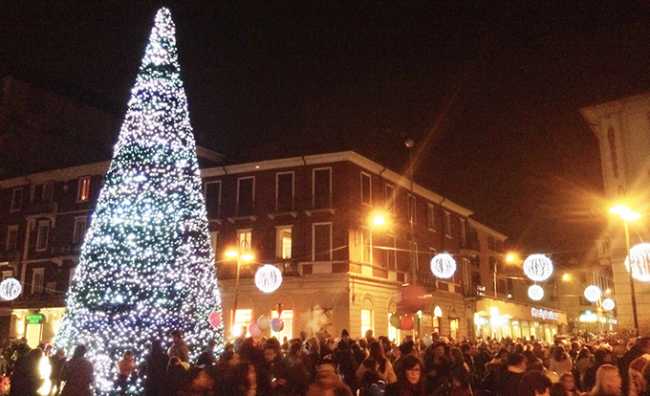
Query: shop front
[504, 319]
[35, 325]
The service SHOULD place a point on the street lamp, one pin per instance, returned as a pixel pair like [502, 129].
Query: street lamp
[410, 144]
[378, 220]
[628, 215]
[567, 277]
[239, 256]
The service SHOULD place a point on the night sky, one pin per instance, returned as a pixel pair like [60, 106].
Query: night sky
[490, 91]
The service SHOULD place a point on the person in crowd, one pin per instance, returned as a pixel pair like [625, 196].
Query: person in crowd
[583, 362]
[26, 379]
[601, 356]
[560, 361]
[534, 383]
[125, 369]
[608, 381]
[207, 357]
[327, 382]
[57, 361]
[345, 360]
[569, 386]
[155, 370]
[382, 365]
[641, 346]
[179, 348]
[276, 367]
[410, 379]
[77, 374]
[637, 385]
[516, 366]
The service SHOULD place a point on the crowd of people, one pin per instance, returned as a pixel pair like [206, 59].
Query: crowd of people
[369, 366]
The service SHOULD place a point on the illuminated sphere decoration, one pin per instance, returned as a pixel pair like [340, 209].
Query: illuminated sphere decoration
[268, 278]
[538, 267]
[608, 304]
[10, 289]
[593, 293]
[535, 292]
[638, 261]
[443, 266]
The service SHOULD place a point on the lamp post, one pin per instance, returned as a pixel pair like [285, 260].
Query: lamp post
[410, 143]
[239, 257]
[628, 215]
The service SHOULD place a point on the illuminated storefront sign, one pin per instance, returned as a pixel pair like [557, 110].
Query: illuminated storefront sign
[544, 314]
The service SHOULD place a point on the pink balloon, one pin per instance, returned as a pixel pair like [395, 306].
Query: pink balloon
[277, 324]
[215, 319]
[406, 322]
[254, 330]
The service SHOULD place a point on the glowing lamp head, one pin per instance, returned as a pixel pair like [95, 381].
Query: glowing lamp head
[593, 293]
[247, 257]
[378, 219]
[535, 292]
[608, 304]
[567, 277]
[512, 258]
[231, 254]
[625, 213]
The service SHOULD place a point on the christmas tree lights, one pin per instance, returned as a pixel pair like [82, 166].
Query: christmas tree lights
[146, 264]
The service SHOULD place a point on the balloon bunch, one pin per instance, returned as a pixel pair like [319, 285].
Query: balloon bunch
[402, 322]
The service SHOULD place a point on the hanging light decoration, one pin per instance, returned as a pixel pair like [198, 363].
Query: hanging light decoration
[10, 289]
[443, 265]
[268, 278]
[535, 292]
[538, 267]
[638, 261]
[608, 304]
[593, 293]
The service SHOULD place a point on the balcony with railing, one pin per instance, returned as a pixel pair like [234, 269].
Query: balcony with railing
[39, 207]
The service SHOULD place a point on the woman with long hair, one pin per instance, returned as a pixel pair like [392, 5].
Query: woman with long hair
[382, 365]
[608, 381]
[410, 379]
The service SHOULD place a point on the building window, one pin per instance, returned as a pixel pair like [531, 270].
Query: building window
[38, 279]
[284, 191]
[287, 330]
[453, 328]
[322, 188]
[413, 255]
[212, 191]
[476, 282]
[245, 239]
[47, 194]
[448, 224]
[7, 274]
[431, 217]
[16, 199]
[321, 242]
[412, 205]
[11, 243]
[360, 246]
[393, 332]
[389, 197]
[245, 195]
[366, 189]
[79, 229]
[463, 232]
[83, 189]
[283, 242]
[367, 321]
[243, 318]
[42, 235]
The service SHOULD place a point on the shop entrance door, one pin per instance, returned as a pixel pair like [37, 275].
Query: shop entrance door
[33, 334]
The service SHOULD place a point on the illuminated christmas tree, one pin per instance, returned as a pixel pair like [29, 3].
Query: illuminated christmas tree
[146, 264]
